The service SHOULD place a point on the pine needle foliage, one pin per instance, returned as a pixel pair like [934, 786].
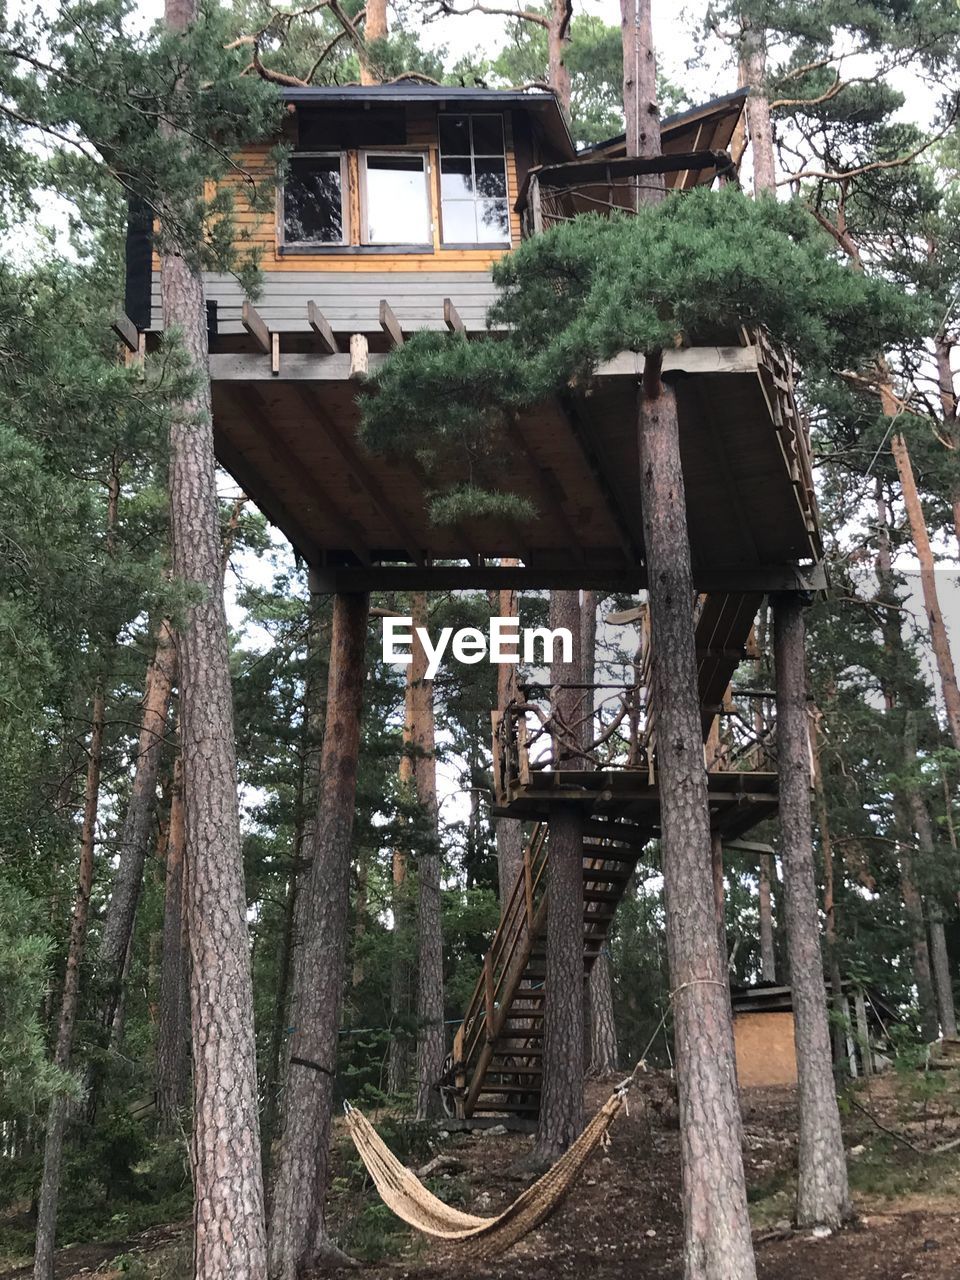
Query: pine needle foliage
[692, 269]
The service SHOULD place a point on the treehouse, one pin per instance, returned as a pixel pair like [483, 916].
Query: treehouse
[395, 205]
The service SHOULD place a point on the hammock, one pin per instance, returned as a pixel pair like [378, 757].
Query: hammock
[482, 1238]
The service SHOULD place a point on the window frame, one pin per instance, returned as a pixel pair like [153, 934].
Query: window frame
[317, 246]
[507, 243]
[364, 241]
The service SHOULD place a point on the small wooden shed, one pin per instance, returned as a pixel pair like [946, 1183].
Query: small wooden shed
[764, 1032]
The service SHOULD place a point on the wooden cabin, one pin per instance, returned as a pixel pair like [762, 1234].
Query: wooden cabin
[396, 203]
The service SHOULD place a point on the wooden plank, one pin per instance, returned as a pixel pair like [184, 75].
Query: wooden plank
[246, 477]
[126, 331]
[300, 475]
[321, 327]
[451, 317]
[550, 489]
[255, 325]
[552, 574]
[390, 324]
[275, 353]
[359, 359]
[362, 474]
[307, 367]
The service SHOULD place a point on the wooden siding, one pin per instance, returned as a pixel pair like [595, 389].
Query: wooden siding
[351, 305]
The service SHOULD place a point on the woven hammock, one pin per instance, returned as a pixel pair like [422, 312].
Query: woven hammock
[483, 1238]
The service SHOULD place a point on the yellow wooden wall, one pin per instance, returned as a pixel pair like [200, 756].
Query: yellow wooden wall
[260, 229]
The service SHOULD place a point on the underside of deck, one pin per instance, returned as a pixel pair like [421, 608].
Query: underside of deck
[290, 440]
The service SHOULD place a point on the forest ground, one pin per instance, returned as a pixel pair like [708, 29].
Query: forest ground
[623, 1219]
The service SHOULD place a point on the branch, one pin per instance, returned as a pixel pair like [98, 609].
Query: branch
[525, 15]
[267, 73]
[824, 175]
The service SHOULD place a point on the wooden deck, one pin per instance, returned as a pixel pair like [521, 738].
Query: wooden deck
[290, 439]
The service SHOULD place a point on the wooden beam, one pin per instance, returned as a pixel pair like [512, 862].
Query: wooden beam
[390, 324]
[561, 576]
[275, 354]
[311, 367]
[451, 317]
[603, 473]
[299, 475]
[359, 358]
[321, 327]
[253, 322]
[246, 477]
[549, 487]
[126, 331]
[360, 468]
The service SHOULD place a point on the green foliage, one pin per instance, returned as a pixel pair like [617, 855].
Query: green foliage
[27, 1078]
[696, 264]
[468, 502]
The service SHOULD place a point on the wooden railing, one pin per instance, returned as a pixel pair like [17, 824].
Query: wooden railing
[502, 972]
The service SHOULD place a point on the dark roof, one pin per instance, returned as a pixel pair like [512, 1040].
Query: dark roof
[719, 116]
[539, 102]
[768, 997]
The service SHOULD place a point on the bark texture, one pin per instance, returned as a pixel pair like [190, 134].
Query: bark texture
[229, 1228]
[558, 43]
[374, 28]
[430, 1034]
[298, 1237]
[753, 75]
[768, 951]
[823, 1195]
[717, 1242]
[939, 640]
[640, 108]
[561, 1102]
[173, 1019]
[602, 1059]
[48, 1199]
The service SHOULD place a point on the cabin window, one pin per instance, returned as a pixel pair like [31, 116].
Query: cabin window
[473, 180]
[395, 197]
[313, 189]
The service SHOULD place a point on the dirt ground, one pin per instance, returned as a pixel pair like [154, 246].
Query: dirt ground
[623, 1219]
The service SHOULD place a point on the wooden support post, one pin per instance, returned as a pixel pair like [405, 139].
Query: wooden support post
[451, 318]
[321, 327]
[535, 205]
[359, 355]
[488, 1002]
[390, 324]
[275, 354]
[528, 885]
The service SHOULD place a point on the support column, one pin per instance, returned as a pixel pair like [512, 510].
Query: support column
[717, 1244]
[822, 1192]
[561, 1102]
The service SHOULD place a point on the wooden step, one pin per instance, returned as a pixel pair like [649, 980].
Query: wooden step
[513, 1071]
[508, 1091]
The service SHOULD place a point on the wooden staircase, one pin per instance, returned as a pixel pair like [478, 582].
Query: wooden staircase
[497, 1051]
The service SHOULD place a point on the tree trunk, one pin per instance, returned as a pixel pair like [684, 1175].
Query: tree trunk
[304, 843]
[374, 28]
[717, 1227]
[603, 1059]
[829, 912]
[43, 1261]
[509, 831]
[558, 42]
[173, 1038]
[229, 1229]
[430, 1033]
[768, 952]
[753, 74]
[823, 1195]
[913, 910]
[640, 109]
[939, 962]
[939, 640]
[561, 1102]
[121, 911]
[401, 969]
[298, 1237]
[717, 1241]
